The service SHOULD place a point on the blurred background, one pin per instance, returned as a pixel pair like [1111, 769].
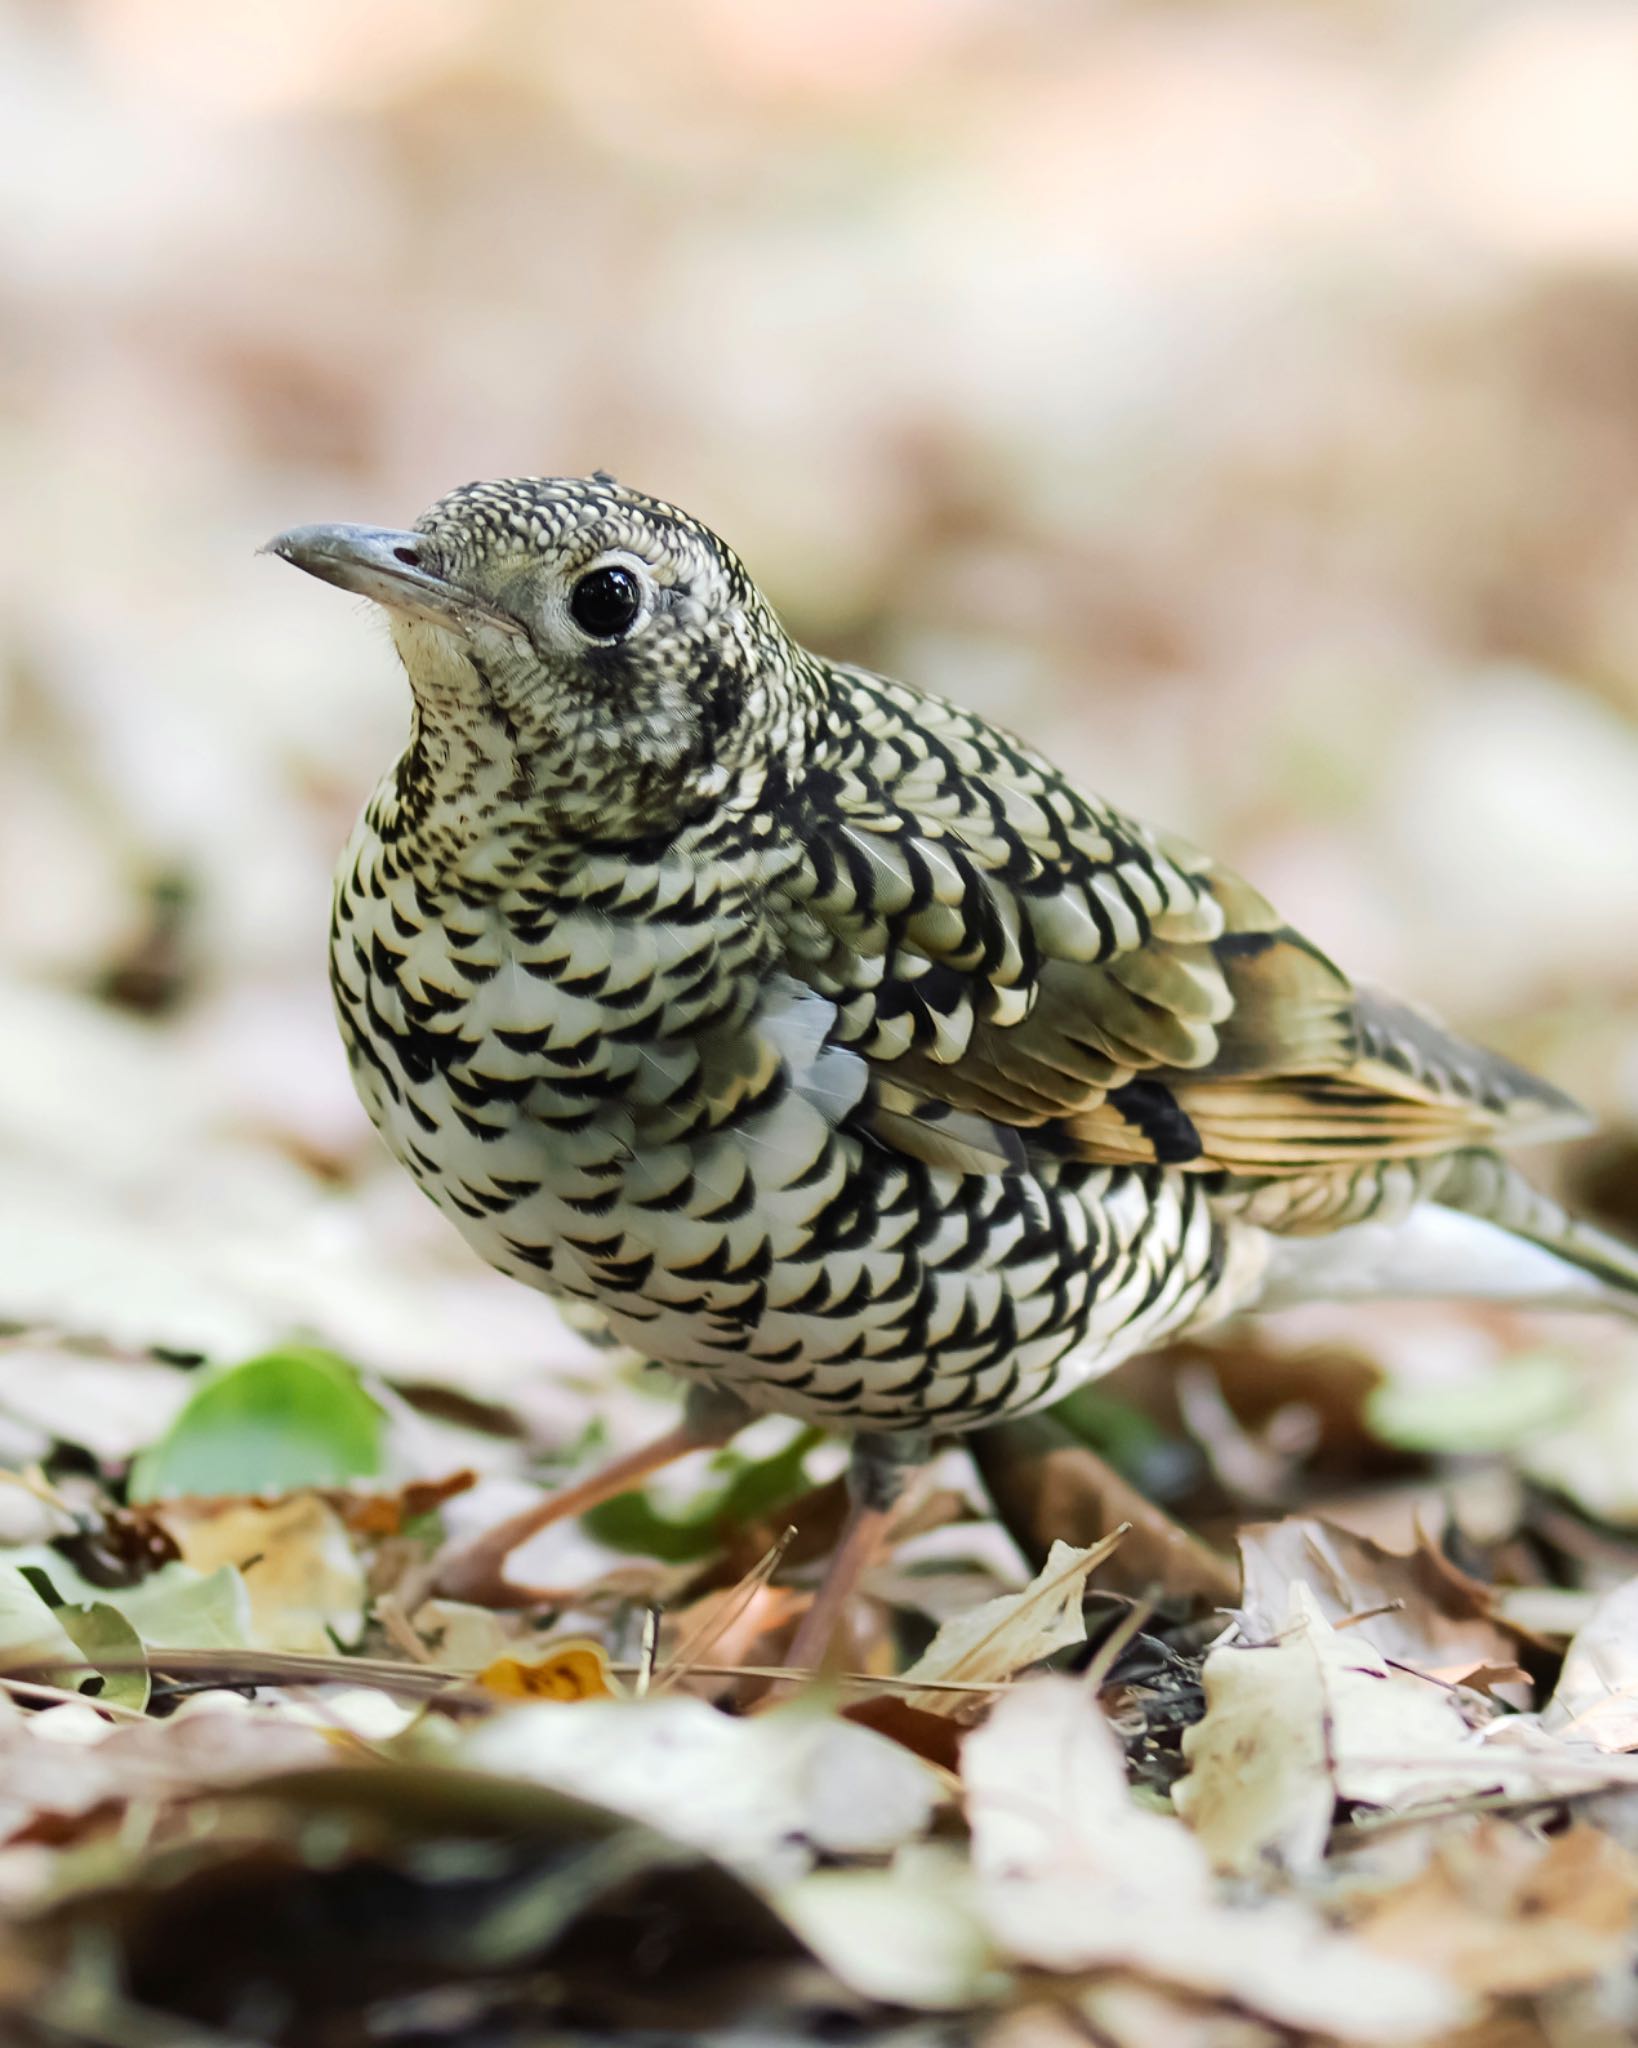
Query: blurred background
[1239, 399]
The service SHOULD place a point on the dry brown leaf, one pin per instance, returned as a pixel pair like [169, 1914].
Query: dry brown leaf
[377, 1515]
[304, 1579]
[730, 1627]
[1048, 1487]
[989, 1644]
[1417, 1609]
[1503, 1912]
[935, 1738]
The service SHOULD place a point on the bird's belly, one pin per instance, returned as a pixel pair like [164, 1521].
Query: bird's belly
[738, 1226]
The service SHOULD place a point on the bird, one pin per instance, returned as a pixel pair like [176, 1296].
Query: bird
[827, 1045]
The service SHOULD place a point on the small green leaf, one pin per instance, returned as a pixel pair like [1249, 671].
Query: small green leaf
[91, 1648]
[1133, 1442]
[33, 1640]
[114, 1648]
[178, 1608]
[746, 1488]
[291, 1418]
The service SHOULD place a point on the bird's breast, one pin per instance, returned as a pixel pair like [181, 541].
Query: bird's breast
[610, 1045]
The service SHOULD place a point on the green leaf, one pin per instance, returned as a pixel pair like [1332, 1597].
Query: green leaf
[291, 1418]
[114, 1648]
[33, 1639]
[1509, 1405]
[90, 1648]
[178, 1608]
[745, 1490]
[1134, 1443]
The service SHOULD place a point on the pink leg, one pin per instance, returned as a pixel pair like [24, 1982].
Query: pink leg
[876, 1478]
[853, 1556]
[477, 1572]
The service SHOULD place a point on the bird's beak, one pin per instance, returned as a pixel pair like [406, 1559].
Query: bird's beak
[391, 568]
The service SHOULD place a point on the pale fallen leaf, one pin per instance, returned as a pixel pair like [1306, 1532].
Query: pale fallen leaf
[907, 1935]
[1593, 1458]
[989, 1644]
[362, 1710]
[304, 1580]
[1596, 1698]
[108, 1404]
[1294, 1725]
[1503, 1912]
[1522, 1760]
[68, 1760]
[1126, 2012]
[1546, 1610]
[460, 1636]
[1073, 1875]
[764, 1793]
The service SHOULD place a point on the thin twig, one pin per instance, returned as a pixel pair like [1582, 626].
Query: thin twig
[649, 1651]
[234, 1668]
[687, 1654]
[1369, 1614]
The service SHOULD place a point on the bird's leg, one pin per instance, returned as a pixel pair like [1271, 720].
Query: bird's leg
[477, 1571]
[876, 1477]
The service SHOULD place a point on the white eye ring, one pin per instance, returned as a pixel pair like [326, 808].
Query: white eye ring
[609, 599]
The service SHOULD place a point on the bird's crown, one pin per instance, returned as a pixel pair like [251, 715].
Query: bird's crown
[614, 643]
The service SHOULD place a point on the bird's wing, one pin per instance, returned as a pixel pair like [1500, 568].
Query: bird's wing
[1011, 953]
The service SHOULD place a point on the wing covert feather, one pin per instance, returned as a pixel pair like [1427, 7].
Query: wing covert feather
[1006, 948]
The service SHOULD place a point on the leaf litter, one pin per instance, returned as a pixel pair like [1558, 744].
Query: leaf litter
[1328, 1807]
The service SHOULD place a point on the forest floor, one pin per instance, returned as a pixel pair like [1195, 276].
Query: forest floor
[1341, 1746]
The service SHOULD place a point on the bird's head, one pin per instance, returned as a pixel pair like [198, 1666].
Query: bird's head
[608, 646]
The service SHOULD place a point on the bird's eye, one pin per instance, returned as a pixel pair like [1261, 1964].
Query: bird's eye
[605, 603]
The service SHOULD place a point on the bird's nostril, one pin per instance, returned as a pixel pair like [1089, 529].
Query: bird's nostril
[411, 556]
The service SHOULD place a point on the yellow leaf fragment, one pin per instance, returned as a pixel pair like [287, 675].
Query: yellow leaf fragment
[575, 1669]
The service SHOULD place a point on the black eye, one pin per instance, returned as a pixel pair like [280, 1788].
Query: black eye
[604, 604]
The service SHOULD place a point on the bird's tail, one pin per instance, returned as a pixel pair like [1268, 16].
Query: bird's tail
[1483, 1234]
[1485, 1185]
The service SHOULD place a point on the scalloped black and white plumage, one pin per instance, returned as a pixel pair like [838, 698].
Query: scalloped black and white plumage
[829, 1043]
